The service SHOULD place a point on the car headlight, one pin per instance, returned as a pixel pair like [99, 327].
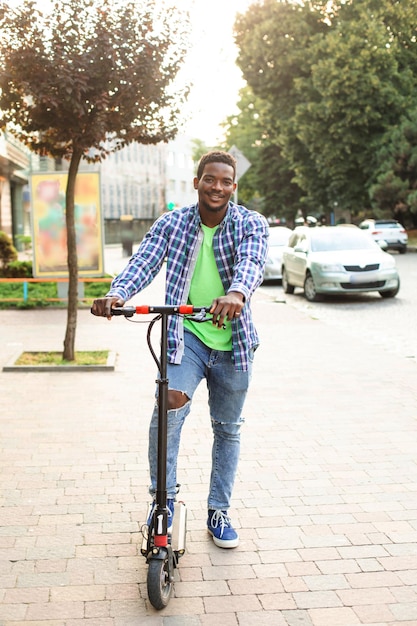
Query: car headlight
[331, 267]
[387, 264]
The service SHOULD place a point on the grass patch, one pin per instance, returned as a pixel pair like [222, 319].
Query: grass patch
[45, 294]
[98, 357]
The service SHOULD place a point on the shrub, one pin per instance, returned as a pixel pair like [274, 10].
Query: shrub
[8, 252]
[17, 269]
[96, 290]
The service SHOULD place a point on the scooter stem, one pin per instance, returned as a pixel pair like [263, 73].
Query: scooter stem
[161, 513]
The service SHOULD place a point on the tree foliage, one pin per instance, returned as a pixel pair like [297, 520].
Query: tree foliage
[246, 130]
[355, 92]
[87, 78]
[272, 40]
[333, 80]
[242, 130]
[91, 75]
[394, 192]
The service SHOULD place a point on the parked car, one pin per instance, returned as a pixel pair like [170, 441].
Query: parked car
[390, 231]
[337, 260]
[278, 239]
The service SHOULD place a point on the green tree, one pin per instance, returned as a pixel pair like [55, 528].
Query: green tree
[85, 79]
[199, 148]
[273, 39]
[267, 185]
[334, 79]
[355, 91]
[395, 191]
[242, 130]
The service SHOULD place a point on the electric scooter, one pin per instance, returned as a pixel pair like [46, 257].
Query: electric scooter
[162, 550]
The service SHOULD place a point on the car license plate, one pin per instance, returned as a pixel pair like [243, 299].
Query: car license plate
[362, 277]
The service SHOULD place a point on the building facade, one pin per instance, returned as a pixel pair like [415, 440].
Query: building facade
[15, 161]
[140, 182]
[180, 173]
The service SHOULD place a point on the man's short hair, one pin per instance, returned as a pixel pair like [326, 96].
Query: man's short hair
[216, 157]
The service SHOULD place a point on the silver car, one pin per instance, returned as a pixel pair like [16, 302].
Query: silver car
[337, 260]
[278, 239]
[389, 231]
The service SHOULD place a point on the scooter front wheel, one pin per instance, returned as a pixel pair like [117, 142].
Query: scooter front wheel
[159, 582]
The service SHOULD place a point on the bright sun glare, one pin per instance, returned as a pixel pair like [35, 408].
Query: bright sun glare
[211, 66]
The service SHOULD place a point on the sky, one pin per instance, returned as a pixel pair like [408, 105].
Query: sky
[211, 66]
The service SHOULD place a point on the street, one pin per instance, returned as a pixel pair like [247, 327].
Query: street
[383, 322]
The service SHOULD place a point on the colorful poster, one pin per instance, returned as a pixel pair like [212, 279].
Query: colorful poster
[49, 228]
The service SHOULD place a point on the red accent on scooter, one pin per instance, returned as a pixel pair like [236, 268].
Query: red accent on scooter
[142, 309]
[160, 541]
[186, 309]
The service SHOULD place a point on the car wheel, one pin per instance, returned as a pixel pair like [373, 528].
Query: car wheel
[285, 284]
[310, 289]
[403, 250]
[390, 293]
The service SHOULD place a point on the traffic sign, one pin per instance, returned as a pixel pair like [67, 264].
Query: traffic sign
[242, 163]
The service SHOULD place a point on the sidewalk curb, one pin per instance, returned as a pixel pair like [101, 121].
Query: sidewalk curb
[11, 367]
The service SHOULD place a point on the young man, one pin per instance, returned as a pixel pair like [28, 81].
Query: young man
[215, 252]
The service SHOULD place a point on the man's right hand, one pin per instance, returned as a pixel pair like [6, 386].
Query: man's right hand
[102, 306]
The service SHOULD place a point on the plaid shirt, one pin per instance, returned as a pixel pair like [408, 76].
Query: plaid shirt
[240, 247]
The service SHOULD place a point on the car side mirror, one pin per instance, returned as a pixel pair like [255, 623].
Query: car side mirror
[382, 244]
[301, 248]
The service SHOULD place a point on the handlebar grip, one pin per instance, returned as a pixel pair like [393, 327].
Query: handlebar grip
[127, 311]
[186, 309]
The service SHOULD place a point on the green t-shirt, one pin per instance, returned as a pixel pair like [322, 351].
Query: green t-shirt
[205, 286]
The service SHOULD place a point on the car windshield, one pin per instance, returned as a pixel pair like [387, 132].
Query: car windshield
[279, 236]
[325, 240]
[386, 225]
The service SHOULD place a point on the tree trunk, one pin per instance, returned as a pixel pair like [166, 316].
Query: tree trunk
[72, 258]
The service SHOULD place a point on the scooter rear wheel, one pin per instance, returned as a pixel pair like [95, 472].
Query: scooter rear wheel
[159, 583]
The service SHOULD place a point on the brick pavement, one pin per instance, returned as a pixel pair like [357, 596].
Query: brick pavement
[325, 499]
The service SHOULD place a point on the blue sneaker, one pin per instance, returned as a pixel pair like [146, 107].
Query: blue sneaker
[170, 506]
[221, 529]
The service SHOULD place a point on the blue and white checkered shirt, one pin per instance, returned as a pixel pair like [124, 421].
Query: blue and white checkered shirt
[240, 247]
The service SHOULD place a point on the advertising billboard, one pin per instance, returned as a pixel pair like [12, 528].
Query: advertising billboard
[49, 227]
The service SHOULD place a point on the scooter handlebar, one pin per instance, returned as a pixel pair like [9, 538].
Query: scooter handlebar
[166, 309]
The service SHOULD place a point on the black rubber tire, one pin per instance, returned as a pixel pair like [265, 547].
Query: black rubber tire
[391, 293]
[159, 584]
[285, 284]
[310, 289]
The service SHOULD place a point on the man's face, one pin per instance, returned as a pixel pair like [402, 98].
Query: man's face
[215, 187]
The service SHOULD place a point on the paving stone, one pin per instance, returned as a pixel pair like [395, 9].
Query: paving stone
[325, 498]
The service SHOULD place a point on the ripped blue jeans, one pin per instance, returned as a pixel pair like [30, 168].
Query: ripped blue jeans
[227, 391]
